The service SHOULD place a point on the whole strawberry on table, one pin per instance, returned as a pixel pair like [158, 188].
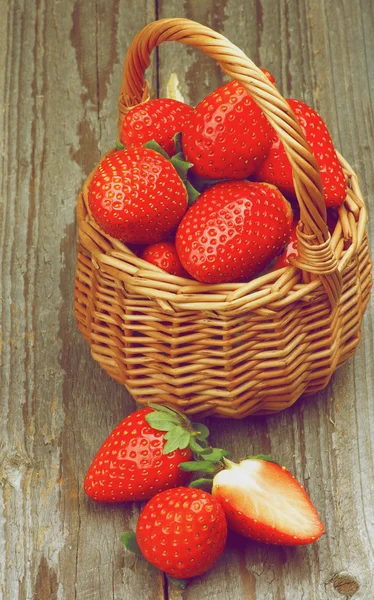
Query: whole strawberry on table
[207, 193]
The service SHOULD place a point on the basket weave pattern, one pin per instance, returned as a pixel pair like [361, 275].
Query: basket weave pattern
[226, 349]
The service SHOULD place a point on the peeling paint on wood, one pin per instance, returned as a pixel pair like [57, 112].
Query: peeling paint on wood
[173, 88]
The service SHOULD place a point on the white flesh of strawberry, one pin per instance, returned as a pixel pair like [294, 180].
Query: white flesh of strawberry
[270, 496]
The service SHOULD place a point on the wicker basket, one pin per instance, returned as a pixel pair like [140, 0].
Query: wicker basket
[227, 349]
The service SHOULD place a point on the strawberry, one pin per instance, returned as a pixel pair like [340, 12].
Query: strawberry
[164, 255]
[263, 501]
[157, 120]
[276, 168]
[269, 76]
[137, 196]
[290, 251]
[182, 531]
[227, 135]
[142, 455]
[233, 231]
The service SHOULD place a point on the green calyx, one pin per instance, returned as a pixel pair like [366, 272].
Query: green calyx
[178, 142]
[119, 145]
[194, 184]
[182, 433]
[179, 163]
[153, 145]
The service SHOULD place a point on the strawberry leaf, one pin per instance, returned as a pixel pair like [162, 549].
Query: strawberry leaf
[128, 539]
[161, 425]
[202, 466]
[153, 145]
[201, 429]
[166, 409]
[195, 446]
[203, 443]
[214, 454]
[266, 457]
[176, 438]
[162, 421]
[119, 145]
[203, 484]
[193, 194]
[178, 143]
[181, 583]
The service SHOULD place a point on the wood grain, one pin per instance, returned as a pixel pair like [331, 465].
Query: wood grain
[60, 69]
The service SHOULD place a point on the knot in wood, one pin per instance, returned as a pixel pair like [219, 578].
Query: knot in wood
[345, 584]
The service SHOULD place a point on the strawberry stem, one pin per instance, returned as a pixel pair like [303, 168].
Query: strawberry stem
[228, 463]
[180, 583]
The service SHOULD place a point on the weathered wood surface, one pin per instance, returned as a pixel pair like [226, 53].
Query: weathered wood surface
[60, 69]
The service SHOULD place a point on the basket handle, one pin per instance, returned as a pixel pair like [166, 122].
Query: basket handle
[316, 258]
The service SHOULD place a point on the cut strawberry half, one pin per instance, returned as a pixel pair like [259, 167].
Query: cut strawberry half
[264, 502]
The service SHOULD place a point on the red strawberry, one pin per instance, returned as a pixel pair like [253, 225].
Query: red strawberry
[227, 135]
[182, 531]
[290, 251]
[137, 196]
[269, 76]
[233, 231]
[157, 120]
[276, 168]
[142, 456]
[263, 501]
[164, 255]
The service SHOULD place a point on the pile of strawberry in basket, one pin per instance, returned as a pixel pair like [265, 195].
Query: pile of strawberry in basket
[207, 192]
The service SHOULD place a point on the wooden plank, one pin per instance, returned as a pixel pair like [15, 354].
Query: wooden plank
[318, 52]
[62, 64]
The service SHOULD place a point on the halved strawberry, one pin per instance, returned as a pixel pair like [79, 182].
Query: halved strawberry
[264, 502]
